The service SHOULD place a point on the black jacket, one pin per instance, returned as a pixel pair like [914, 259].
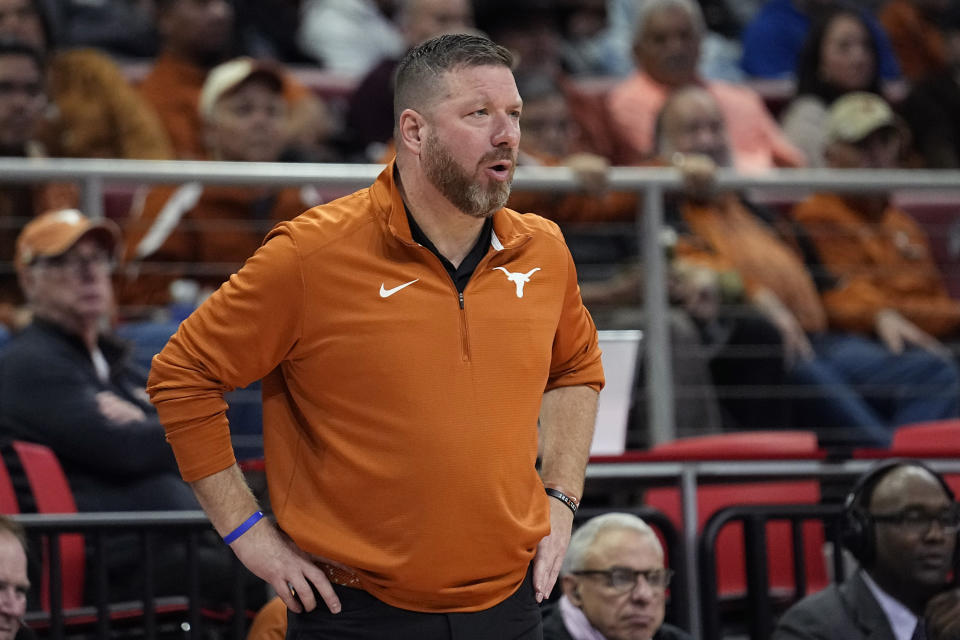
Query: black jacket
[847, 611]
[48, 388]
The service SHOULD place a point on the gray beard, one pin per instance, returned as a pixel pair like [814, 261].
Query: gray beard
[463, 190]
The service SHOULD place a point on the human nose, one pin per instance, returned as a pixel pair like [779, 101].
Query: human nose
[264, 117]
[705, 137]
[507, 132]
[642, 591]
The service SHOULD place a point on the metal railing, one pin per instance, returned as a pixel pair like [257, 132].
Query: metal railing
[692, 606]
[758, 597]
[92, 174]
[654, 183]
[188, 612]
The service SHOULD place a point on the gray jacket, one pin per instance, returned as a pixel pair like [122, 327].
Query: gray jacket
[848, 612]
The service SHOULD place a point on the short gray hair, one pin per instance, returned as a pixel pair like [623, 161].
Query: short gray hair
[650, 7]
[584, 537]
[14, 528]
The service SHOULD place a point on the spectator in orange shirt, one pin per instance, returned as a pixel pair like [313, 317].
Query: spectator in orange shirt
[667, 49]
[860, 390]
[195, 36]
[198, 234]
[97, 113]
[888, 283]
[915, 35]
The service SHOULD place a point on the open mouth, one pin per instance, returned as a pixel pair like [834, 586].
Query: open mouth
[500, 170]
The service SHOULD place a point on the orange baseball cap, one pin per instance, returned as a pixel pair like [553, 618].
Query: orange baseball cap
[56, 232]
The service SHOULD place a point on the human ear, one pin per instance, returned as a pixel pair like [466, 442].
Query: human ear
[571, 589]
[411, 130]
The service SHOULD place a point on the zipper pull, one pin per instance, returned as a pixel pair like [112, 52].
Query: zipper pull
[460, 294]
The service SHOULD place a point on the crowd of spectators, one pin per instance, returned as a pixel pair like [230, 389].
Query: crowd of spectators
[311, 80]
[835, 294]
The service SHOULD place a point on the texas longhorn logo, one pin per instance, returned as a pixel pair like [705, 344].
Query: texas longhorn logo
[518, 278]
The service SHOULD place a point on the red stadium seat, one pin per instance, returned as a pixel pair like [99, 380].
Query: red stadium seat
[935, 439]
[938, 438]
[52, 494]
[730, 570]
[8, 494]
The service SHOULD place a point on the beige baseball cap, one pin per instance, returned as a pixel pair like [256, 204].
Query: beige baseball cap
[856, 115]
[56, 232]
[226, 77]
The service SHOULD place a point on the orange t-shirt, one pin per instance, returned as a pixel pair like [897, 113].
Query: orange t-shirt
[882, 264]
[728, 236]
[98, 114]
[918, 43]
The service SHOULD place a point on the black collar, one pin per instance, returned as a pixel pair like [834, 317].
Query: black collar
[461, 274]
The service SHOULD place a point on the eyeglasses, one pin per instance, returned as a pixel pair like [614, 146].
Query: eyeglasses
[32, 90]
[621, 579]
[74, 262]
[919, 522]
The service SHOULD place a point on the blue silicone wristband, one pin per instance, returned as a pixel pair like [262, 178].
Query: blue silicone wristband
[244, 526]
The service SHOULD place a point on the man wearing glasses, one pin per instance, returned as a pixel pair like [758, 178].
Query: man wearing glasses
[614, 584]
[67, 383]
[900, 522]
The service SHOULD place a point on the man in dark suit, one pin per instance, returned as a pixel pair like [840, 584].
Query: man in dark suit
[613, 582]
[900, 522]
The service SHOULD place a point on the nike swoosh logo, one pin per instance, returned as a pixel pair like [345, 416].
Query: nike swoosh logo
[386, 293]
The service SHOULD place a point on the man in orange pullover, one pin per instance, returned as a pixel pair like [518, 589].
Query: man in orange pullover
[411, 335]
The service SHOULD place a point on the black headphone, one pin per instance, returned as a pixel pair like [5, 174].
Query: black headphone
[856, 531]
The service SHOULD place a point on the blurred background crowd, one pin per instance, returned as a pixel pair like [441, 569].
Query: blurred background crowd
[765, 289]
[836, 313]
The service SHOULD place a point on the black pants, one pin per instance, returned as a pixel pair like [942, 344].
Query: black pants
[363, 617]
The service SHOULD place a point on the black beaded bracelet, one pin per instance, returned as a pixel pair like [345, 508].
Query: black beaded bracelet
[562, 497]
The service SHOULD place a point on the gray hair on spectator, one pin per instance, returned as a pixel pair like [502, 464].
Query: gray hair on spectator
[14, 528]
[584, 537]
[650, 7]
